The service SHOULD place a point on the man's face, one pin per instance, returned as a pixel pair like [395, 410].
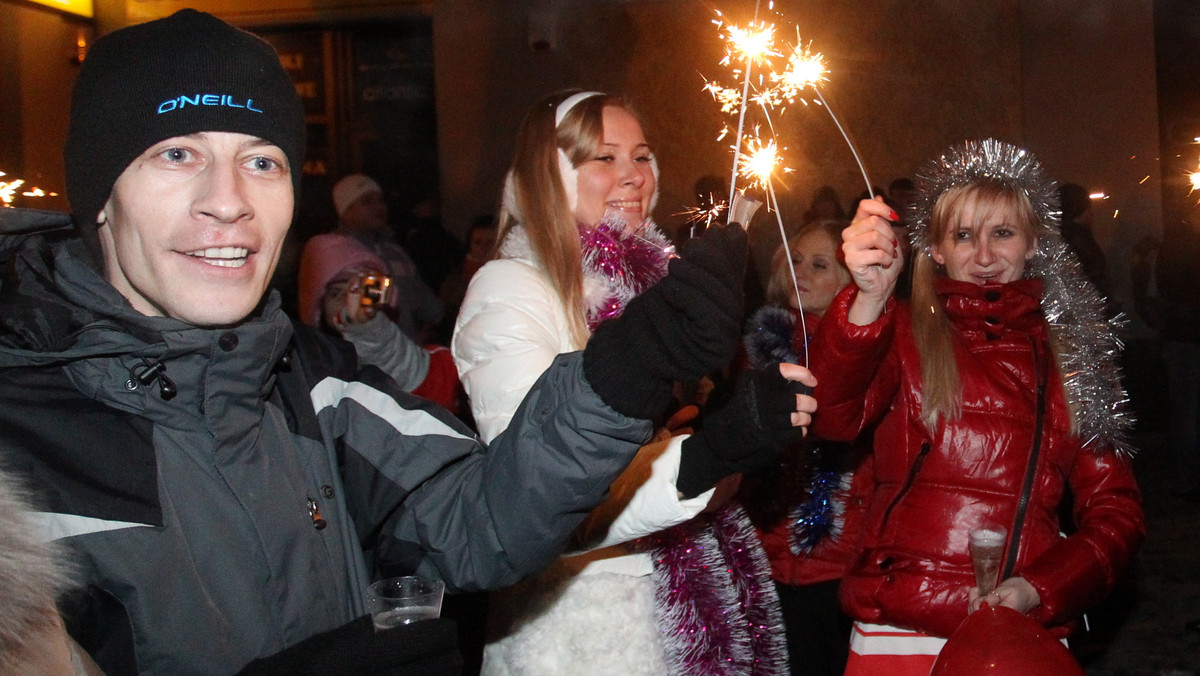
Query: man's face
[194, 226]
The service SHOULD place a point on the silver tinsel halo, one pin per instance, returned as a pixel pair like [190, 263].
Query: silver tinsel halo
[1088, 339]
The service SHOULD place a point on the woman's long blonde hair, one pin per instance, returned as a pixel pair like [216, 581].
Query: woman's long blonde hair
[538, 199]
[779, 289]
[941, 387]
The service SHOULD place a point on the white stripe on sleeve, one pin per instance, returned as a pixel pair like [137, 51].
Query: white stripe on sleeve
[331, 391]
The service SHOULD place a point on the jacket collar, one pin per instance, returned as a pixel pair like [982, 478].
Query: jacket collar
[62, 312]
[992, 309]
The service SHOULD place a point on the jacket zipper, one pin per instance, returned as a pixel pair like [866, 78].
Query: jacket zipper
[912, 476]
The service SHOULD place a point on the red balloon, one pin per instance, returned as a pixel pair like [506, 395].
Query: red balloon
[999, 641]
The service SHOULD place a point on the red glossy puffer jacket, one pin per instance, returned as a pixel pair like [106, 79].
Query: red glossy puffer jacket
[932, 489]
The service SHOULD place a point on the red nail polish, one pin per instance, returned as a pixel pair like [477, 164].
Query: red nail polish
[892, 215]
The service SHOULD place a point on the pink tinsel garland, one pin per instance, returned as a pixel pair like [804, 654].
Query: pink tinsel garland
[715, 602]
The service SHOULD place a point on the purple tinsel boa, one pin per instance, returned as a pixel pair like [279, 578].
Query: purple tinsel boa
[618, 264]
[716, 604]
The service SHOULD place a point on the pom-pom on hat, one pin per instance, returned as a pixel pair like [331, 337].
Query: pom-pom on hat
[185, 74]
[350, 188]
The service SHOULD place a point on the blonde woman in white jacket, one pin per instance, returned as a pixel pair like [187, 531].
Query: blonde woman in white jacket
[576, 246]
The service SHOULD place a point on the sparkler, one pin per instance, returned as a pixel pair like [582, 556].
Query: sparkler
[702, 214]
[753, 45]
[804, 70]
[759, 164]
[8, 191]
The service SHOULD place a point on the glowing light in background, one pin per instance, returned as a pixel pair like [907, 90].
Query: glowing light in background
[8, 191]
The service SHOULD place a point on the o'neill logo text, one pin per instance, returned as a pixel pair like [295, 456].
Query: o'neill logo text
[226, 100]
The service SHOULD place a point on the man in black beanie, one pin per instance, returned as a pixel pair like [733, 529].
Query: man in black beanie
[229, 483]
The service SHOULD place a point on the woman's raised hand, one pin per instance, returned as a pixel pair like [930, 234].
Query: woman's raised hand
[873, 257]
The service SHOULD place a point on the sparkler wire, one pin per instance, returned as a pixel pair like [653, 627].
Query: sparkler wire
[737, 147]
[787, 256]
[853, 150]
[737, 143]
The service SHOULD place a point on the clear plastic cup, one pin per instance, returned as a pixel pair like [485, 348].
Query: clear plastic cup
[396, 601]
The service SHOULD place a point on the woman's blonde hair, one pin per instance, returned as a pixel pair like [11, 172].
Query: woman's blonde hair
[941, 388]
[539, 199]
[779, 289]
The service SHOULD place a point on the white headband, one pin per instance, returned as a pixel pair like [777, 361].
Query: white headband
[569, 103]
[566, 170]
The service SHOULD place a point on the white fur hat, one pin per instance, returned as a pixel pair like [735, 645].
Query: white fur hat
[350, 188]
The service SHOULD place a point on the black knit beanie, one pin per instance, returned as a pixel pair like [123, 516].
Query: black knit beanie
[187, 73]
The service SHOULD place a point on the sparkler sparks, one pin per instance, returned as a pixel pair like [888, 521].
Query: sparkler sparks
[8, 191]
[759, 161]
[702, 214]
[805, 69]
[753, 45]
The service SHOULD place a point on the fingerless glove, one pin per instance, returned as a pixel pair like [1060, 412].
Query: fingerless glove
[745, 434]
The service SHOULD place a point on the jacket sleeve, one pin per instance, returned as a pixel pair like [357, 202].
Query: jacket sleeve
[381, 343]
[509, 331]
[504, 339]
[425, 496]
[1080, 570]
[856, 378]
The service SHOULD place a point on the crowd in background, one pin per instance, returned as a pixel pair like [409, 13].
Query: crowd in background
[944, 319]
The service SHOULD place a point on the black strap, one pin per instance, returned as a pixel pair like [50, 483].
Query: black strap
[1014, 540]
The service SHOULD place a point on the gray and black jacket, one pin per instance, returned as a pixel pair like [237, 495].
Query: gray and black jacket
[231, 492]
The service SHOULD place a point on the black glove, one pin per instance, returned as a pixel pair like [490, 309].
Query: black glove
[426, 647]
[683, 327]
[745, 434]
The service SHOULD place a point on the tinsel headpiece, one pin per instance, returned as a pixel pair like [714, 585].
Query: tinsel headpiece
[1087, 337]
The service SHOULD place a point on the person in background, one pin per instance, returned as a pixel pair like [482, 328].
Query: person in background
[652, 587]
[435, 251]
[986, 414]
[1163, 274]
[826, 205]
[481, 242]
[345, 291]
[902, 194]
[1077, 221]
[808, 506]
[229, 481]
[363, 214]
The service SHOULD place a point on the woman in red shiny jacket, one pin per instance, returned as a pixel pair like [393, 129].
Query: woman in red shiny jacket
[996, 395]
